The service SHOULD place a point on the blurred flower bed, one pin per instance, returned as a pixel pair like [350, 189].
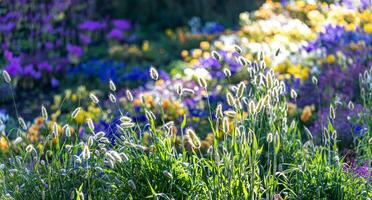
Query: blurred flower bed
[318, 49]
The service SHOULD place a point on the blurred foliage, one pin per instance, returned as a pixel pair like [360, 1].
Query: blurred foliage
[172, 13]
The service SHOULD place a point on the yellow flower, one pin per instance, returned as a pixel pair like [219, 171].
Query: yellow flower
[367, 28]
[196, 53]
[146, 46]
[350, 27]
[80, 118]
[218, 44]
[74, 97]
[184, 53]
[291, 109]
[169, 32]
[331, 59]
[40, 147]
[57, 101]
[4, 145]
[204, 45]
[68, 93]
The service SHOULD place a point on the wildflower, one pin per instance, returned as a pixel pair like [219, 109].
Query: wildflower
[93, 98]
[44, 113]
[6, 77]
[4, 146]
[154, 73]
[331, 59]
[86, 152]
[291, 109]
[112, 86]
[306, 114]
[22, 123]
[75, 112]
[129, 95]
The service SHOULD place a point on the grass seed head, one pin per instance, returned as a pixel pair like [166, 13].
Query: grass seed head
[90, 124]
[225, 125]
[216, 55]
[332, 113]
[241, 89]
[44, 113]
[202, 82]
[112, 98]
[154, 74]
[6, 77]
[112, 86]
[238, 49]
[129, 95]
[75, 112]
[230, 99]
[93, 98]
[22, 123]
[227, 72]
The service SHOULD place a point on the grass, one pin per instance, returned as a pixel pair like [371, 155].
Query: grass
[255, 153]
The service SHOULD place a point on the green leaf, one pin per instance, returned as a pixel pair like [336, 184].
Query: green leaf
[183, 121]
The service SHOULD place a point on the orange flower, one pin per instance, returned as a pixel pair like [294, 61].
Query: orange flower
[166, 104]
[33, 133]
[306, 114]
[39, 121]
[4, 145]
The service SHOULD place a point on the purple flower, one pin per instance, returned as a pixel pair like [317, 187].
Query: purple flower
[54, 82]
[116, 34]
[85, 39]
[122, 24]
[91, 25]
[74, 50]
